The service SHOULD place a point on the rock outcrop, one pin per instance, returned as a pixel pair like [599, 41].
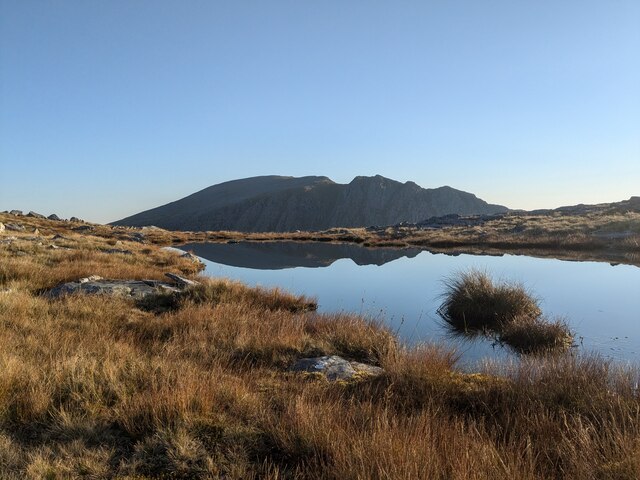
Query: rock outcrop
[279, 204]
[137, 289]
[16, 227]
[335, 368]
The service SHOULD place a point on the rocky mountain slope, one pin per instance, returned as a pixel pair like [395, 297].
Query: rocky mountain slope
[278, 204]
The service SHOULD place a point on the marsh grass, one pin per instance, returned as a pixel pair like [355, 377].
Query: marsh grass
[474, 304]
[473, 301]
[95, 387]
[528, 334]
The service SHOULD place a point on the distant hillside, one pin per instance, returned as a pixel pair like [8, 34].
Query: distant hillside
[278, 204]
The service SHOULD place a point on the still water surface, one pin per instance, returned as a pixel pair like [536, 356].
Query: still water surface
[403, 288]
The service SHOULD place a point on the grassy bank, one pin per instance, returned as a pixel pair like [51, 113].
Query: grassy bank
[605, 236]
[99, 387]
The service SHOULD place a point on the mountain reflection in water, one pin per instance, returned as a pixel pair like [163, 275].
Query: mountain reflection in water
[282, 255]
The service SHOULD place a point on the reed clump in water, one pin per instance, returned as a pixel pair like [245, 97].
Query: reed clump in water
[474, 303]
[536, 335]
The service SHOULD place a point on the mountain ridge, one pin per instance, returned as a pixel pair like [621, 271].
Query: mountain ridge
[279, 203]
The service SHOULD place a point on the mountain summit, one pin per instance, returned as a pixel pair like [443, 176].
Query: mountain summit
[278, 204]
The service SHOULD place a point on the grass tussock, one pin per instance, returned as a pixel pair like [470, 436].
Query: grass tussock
[96, 387]
[474, 303]
[534, 334]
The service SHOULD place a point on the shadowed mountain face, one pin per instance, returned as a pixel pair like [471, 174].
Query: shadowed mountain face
[279, 204]
[281, 255]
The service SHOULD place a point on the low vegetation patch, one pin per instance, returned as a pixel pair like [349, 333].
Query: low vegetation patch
[474, 303]
[216, 291]
[528, 334]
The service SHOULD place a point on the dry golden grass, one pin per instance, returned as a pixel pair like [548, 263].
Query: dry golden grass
[96, 387]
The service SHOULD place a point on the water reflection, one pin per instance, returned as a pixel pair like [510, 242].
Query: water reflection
[403, 288]
[280, 255]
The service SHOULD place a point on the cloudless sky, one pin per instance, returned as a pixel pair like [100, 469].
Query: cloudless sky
[111, 107]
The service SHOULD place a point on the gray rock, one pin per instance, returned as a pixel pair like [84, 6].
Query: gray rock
[191, 256]
[118, 250]
[33, 214]
[16, 227]
[92, 278]
[94, 285]
[53, 216]
[335, 368]
[16, 212]
[83, 228]
[75, 220]
[138, 237]
[181, 281]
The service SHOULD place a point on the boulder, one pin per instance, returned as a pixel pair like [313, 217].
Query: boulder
[181, 281]
[138, 237]
[33, 214]
[335, 368]
[191, 256]
[94, 285]
[16, 212]
[55, 217]
[16, 227]
[83, 228]
[118, 250]
[75, 220]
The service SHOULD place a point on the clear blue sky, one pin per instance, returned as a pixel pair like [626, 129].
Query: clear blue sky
[111, 107]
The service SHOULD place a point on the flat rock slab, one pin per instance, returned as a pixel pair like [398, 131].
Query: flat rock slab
[335, 368]
[137, 289]
[16, 227]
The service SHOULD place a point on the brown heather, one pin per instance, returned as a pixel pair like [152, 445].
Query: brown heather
[97, 387]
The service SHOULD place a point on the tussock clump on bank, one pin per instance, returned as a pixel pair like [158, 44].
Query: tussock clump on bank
[215, 292]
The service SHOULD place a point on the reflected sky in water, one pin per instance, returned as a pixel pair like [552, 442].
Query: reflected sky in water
[403, 288]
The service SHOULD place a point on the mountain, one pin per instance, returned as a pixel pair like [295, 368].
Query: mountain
[278, 204]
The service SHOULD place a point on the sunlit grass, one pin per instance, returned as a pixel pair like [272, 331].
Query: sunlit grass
[96, 387]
